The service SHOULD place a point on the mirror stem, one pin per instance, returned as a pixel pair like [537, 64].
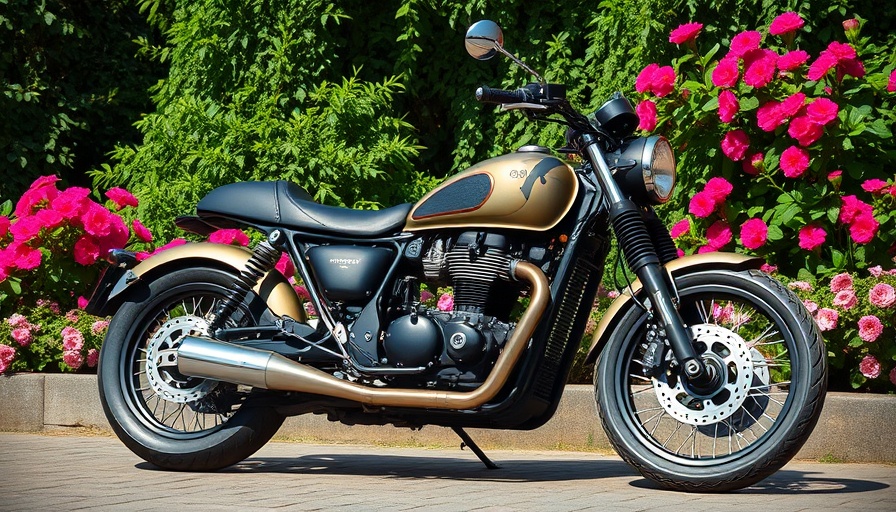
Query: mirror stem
[520, 63]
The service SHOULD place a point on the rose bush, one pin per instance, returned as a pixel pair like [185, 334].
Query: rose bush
[857, 317]
[789, 152]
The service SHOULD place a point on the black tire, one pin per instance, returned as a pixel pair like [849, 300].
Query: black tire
[179, 434]
[694, 452]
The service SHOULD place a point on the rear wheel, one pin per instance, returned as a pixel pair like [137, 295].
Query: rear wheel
[168, 419]
[760, 337]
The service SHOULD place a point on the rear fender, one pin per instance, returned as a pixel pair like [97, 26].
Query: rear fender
[676, 268]
[273, 287]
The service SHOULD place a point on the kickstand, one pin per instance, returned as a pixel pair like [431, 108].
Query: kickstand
[468, 442]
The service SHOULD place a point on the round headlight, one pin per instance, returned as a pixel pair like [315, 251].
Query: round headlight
[658, 168]
[644, 168]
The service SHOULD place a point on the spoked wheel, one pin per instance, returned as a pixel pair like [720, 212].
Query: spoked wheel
[766, 348]
[169, 419]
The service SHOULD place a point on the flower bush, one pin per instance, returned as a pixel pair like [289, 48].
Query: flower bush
[42, 337]
[51, 247]
[789, 152]
[857, 317]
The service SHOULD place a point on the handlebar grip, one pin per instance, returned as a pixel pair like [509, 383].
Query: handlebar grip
[486, 94]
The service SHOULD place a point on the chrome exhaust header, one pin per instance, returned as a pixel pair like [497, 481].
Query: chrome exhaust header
[212, 359]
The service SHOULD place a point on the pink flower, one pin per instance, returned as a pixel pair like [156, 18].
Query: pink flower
[7, 354]
[72, 202]
[800, 285]
[644, 82]
[882, 295]
[870, 328]
[309, 309]
[121, 197]
[4, 226]
[229, 236]
[728, 106]
[753, 233]
[82, 302]
[93, 357]
[785, 23]
[812, 236]
[446, 302]
[49, 219]
[97, 220]
[685, 33]
[843, 51]
[723, 314]
[646, 111]
[726, 73]
[754, 164]
[845, 299]
[759, 67]
[792, 105]
[302, 292]
[718, 235]
[22, 336]
[852, 207]
[744, 42]
[768, 116]
[822, 111]
[794, 161]
[23, 256]
[792, 60]
[72, 339]
[826, 319]
[841, 282]
[17, 320]
[72, 315]
[735, 144]
[41, 192]
[702, 205]
[811, 307]
[718, 189]
[285, 266]
[143, 234]
[99, 326]
[863, 229]
[72, 358]
[86, 251]
[681, 227]
[26, 228]
[768, 269]
[663, 81]
[850, 24]
[805, 130]
[876, 271]
[870, 367]
[874, 185]
[891, 82]
[825, 62]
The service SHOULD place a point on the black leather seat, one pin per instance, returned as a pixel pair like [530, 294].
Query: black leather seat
[282, 203]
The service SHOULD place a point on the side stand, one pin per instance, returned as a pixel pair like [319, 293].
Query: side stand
[466, 440]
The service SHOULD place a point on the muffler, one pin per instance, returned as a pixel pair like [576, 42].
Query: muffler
[208, 358]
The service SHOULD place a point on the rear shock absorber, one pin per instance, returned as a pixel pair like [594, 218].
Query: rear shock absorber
[264, 258]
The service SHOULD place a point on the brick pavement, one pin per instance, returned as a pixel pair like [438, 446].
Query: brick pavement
[66, 472]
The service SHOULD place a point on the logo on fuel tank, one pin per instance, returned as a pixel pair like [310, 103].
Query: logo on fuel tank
[539, 173]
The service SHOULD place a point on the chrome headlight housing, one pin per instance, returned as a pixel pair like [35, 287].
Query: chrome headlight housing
[644, 168]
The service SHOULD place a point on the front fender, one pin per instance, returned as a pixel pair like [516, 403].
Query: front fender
[273, 287]
[676, 268]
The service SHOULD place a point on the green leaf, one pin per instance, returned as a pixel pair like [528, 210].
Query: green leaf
[879, 128]
[804, 275]
[837, 258]
[775, 233]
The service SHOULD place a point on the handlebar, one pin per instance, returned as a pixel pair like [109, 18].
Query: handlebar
[486, 94]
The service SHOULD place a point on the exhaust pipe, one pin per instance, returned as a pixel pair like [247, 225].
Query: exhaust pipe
[212, 359]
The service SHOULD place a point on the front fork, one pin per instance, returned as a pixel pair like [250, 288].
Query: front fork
[639, 252]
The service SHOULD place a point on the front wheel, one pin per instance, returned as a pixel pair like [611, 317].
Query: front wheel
[761, 338]
[171, 420]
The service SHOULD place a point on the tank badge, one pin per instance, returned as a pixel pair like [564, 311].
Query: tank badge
[458, 340]
[538, 173]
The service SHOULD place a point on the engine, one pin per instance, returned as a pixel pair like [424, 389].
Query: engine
[458, 347]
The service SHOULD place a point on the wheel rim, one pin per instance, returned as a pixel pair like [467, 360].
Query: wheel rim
[163, 400]
[663, 426]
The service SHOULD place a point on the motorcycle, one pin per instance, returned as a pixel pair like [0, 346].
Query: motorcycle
[710, 374]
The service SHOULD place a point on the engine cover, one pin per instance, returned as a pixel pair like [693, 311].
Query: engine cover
[412, 341]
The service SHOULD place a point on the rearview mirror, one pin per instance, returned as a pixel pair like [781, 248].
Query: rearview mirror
[483, 39]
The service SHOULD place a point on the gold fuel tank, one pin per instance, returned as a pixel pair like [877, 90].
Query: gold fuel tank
[529, 190]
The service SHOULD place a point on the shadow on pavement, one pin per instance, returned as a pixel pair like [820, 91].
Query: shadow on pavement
[396, 466]
[796, 482]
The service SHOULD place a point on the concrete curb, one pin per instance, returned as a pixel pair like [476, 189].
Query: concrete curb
[852, 428]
